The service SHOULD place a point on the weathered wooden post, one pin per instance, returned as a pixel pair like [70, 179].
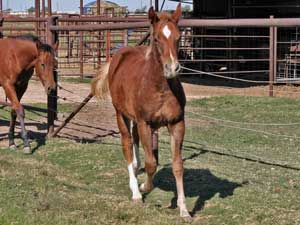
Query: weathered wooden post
[52, 38]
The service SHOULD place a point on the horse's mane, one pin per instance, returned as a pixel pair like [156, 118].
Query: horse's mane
[31, 37]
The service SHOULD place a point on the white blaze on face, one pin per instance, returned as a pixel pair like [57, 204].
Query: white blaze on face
[167, 32]
[173, 63]
[133, 183]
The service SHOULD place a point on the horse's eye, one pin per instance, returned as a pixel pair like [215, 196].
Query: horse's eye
[43, 66]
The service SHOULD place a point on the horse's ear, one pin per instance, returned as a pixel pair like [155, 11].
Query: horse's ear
[152, 15]
[55, 46]
[177, 14]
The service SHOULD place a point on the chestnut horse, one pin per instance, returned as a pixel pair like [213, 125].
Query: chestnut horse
[19, 57]
[147, 94]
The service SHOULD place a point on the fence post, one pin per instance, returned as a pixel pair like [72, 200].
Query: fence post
[52, 38]
[275, 55]
[37, 15]
[271, 59]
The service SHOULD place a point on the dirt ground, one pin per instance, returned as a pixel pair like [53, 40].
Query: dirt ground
[97, 119]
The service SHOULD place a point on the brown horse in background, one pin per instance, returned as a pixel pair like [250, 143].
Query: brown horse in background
[19, 56]
[147, 94]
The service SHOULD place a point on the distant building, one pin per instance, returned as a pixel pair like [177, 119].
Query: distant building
[107, 8]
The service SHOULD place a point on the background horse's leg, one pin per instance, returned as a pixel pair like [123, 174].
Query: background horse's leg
[124, 127]
[16, 105]
[13, 116]
[20, 92]
[145, 133]
[136, 153]
[11, 133]
[177, 134]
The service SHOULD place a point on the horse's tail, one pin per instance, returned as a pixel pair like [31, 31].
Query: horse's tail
[99, 84]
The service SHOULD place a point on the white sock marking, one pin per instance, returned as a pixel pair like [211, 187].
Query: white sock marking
[136, 156]
[167, 31]
[133, 184]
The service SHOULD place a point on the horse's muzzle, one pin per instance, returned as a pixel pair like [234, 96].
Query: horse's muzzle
[49, 88]
[171, 70]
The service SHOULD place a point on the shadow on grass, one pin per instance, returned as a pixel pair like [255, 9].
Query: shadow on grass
[199, 183]
[38, 137]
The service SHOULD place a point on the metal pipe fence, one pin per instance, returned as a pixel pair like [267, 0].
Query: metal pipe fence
[264, 49]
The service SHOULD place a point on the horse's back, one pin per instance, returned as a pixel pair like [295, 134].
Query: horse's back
[15, 57]
[125, 71]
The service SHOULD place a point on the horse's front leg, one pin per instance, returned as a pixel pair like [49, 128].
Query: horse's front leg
[136, 153]
[177, 134]
[16, 105]
[145, 133]
[124, 127]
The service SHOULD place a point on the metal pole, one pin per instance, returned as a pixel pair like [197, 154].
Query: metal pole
[275, 54]
[49, 8]
[67, 120]
[81, 8]
[271, 60]
[37, 15]
[156, 5]
[108, 45]
[52, 97]
[98, 7]
[99, 34]
[81, 44]
[1, 8]
[43, 9]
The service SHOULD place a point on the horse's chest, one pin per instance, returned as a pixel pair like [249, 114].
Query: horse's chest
[163, 109]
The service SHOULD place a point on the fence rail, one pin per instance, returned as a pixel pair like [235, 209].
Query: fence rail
[96, 38]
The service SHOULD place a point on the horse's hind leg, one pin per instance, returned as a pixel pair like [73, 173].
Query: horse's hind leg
[11, 133]
[145, 133]
[20, 92]
[13, 116]
[124, 127]
[177, 134]
[16, 105]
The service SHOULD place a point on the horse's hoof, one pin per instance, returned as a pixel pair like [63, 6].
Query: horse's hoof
[187, 219]
[137, 200]
[13, 147]
[27, 150]
[186, 216]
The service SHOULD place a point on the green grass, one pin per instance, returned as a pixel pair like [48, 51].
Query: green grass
[65, 182]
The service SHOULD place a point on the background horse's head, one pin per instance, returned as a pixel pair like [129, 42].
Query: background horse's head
[46, 64]
[165, 37]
